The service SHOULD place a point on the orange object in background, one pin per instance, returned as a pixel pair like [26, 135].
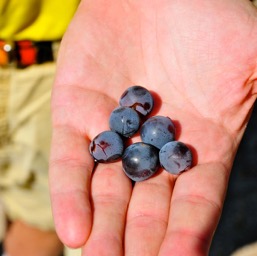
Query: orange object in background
[27, 53]
[4, 56]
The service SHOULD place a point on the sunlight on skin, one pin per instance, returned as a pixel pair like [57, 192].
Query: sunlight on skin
[199, 58]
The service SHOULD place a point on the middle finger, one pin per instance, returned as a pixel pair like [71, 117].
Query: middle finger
[147, 216]
[111, 191]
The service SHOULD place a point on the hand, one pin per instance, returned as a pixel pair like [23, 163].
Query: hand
[200, 59]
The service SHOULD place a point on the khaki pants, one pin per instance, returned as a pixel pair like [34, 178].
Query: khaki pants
[247, 250]
[25, 131]
[72, 252]
[25, 134]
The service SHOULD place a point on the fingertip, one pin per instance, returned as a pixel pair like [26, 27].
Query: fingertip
[73, 221]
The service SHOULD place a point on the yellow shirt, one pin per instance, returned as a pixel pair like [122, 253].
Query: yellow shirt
[36, 20]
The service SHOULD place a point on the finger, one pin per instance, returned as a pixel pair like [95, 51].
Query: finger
[147, 217]
[111, 191]
[195, 210]
[69, 177]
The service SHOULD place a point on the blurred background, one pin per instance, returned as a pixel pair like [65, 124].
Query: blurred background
[238, 224]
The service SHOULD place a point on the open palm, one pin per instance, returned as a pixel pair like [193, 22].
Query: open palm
[199, 58]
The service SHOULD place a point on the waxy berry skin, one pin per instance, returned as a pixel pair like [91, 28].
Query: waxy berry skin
[140, 161]
[124, 121]
[106, 147]
[175, 157]
[157, 131]
[158, 148]
[138, 98]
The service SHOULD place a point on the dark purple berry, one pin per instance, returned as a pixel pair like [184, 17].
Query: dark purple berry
[106, 147]
[140, 161]
[157, 131]
[138, 98]
[124, 121]
[175, 157]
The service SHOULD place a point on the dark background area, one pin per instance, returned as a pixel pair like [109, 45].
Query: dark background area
[238, 224]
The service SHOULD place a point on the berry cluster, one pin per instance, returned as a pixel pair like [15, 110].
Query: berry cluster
[158, 147]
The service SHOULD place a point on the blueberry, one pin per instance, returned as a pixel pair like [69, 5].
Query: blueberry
[106, 147]
[175, 157]
[124, 121]
[157, 131]
[138, 98]
[140, 161]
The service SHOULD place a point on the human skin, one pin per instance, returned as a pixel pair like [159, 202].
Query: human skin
[200, 59]
[23, 239]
